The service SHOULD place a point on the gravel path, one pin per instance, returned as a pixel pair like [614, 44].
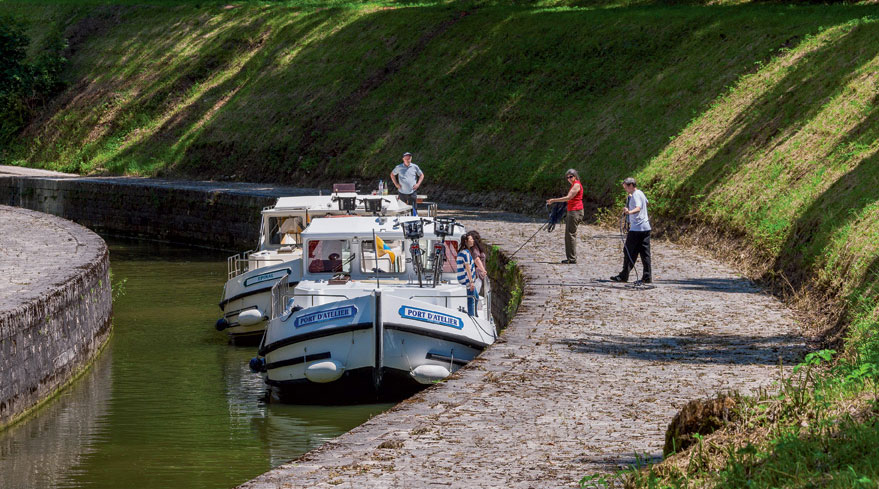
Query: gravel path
[585, 379]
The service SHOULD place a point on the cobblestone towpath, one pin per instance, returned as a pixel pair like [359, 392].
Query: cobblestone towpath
[585, 379]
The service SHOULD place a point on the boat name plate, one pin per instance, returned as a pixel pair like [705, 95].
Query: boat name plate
[265, 277]
[317, 317]
[431, 317]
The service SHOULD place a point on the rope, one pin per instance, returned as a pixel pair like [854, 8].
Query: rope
[529, 239]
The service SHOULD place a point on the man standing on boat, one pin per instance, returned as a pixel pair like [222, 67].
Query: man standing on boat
[407, 177]
[574, 217]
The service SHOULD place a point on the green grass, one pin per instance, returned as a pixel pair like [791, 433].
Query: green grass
[278, 93]
[760, 119]
[819, 430]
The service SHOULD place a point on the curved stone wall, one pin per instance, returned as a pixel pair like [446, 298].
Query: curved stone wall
[55, 306]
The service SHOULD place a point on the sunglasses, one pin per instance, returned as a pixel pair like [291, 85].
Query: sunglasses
[570, 176]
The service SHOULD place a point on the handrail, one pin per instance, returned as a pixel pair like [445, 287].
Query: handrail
[279, 293]
[444, 297]
[343, 296]
[234, 263]
[233, 267]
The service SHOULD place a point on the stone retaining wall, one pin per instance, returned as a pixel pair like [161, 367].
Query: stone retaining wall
[55, 306]
[218, 216]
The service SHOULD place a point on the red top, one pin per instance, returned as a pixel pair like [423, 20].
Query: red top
[576, 203]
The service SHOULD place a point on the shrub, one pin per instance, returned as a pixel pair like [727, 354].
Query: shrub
[26, 85]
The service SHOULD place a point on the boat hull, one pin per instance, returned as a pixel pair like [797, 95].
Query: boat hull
[353, 387]
[386, 348]
[249, 293]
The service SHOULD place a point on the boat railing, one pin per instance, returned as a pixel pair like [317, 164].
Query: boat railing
[280, 296]
[312, 296]
[282, 292]
[243, 263]
[486, 296]
[237, 264]
[445, 298]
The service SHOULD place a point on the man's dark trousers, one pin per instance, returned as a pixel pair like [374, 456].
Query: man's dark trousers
[411, 199]
[637, 243]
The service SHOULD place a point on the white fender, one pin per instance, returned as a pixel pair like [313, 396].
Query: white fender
[250, 317]
[325, 371]
[428, 374]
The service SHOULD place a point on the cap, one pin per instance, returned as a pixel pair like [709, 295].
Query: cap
[407, 154]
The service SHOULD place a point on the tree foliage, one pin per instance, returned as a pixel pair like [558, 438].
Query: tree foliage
[25, 84]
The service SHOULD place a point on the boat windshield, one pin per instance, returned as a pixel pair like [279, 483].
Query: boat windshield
[284, 230]
[389, 258]
[329, 256]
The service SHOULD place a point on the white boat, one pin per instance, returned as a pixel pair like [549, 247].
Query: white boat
[247, 293]
[367, 325]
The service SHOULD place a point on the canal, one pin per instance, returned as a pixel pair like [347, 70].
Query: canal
[168, 403]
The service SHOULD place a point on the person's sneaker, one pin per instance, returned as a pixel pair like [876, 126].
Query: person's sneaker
[617, 278]
[570, 262]
[647, 280]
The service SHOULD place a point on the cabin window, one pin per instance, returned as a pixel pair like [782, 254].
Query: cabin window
[389, 258]
[329, 256]
[285, 230]
[274, 231]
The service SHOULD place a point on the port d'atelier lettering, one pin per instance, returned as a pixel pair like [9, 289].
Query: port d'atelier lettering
[431, 317]
[341, 312]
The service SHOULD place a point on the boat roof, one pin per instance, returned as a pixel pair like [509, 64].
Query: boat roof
[346, 227]
[329, 204]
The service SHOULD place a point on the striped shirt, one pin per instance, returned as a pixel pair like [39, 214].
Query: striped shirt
[464, 256]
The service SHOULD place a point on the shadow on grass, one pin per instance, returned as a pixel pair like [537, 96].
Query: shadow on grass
[838, 207]
[475, 93]
[783, 110]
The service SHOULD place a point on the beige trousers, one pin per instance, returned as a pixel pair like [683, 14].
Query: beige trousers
[572, 220]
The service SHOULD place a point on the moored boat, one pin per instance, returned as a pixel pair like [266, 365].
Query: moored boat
[251, 274]
[365, 322]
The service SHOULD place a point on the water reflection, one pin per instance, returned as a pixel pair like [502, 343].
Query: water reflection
[43, 451]
[182, 409]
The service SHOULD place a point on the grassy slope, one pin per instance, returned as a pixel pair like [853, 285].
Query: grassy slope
[759, 119]
[274, 93]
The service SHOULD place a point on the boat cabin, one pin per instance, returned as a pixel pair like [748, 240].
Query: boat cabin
[282, 223]
[362, 248]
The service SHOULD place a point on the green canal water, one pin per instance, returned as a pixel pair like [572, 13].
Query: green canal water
[169, 403]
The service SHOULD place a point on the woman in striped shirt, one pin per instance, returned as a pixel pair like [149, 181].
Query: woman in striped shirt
[467, 272]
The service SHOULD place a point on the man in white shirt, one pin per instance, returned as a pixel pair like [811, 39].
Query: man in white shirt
[638, 238]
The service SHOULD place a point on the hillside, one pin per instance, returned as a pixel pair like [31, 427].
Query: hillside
[754, 123]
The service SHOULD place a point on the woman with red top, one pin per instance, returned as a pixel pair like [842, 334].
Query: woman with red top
[574, 217]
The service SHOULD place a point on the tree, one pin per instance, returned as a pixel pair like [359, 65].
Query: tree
[25, 85]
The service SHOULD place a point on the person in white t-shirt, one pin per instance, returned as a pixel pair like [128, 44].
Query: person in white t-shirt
[638, 238]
